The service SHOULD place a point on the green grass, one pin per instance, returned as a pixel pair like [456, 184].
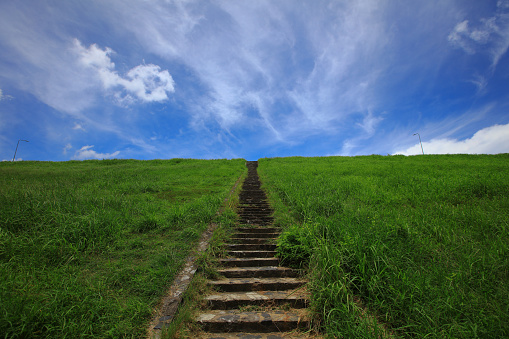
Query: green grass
[422, 242]
[183, 325]
[88, 248]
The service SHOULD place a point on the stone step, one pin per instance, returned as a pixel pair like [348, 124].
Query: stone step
[256, 206]
[260, 272]
[257, 230]
[250, 199]
[258, 202]
[268, 219]
[255, 215]
[251, 247]
[272, 335]
[251, 240]
[256, 222]
[253, 199]
[256, 284]
[249, 262]
[261, 322]
[250, 202]
[252, 254]
[230, 300]
[257, 235]
[256, 209]
[263, 214]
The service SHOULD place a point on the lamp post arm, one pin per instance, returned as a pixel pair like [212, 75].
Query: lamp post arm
[420, 142]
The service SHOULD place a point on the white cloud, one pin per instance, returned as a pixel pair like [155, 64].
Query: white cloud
[490, 140]
[67, 148]
[459, 37]
[480, 82]
[86, 152]
[3, 96]
[368, 128]
[78, 126]
[370, 122]
[490, 34]
[144, 82]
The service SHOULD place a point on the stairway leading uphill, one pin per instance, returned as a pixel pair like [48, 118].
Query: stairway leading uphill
[256, 299]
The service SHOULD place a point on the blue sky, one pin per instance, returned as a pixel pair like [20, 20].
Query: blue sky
[251, 79]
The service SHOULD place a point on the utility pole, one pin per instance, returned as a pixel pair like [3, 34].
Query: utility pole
[16, 151]
[420, 142]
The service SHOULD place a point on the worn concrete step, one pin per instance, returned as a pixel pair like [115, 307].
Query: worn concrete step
[252, 254]
[251, 240]
[256, 284]
[256, 222]
[250, 200]
[230, 300]
[252, 218]
[255, 215]
[253, 199]
[272, 335]
[251, 247]
[261, 322]
[259, 212]
[256, 209]
[260, 272]
[249, 262]
[260, 206]
[257, 230]
[250, 203]
[256, 235]
[258, 203]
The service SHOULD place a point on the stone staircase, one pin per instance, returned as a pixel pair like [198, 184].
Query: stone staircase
[256, 298]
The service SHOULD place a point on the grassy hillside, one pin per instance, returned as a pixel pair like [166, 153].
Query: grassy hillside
[87, 248]
[419, 243]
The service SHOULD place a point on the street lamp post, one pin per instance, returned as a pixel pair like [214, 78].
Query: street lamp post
[16, 151]
[420, 142]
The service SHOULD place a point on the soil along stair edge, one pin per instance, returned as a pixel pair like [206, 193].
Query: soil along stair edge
[256, 298]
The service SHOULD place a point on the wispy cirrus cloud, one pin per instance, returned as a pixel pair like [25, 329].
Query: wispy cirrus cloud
[78, 126]
[4, 96]
[305, 69]
[489, 34]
